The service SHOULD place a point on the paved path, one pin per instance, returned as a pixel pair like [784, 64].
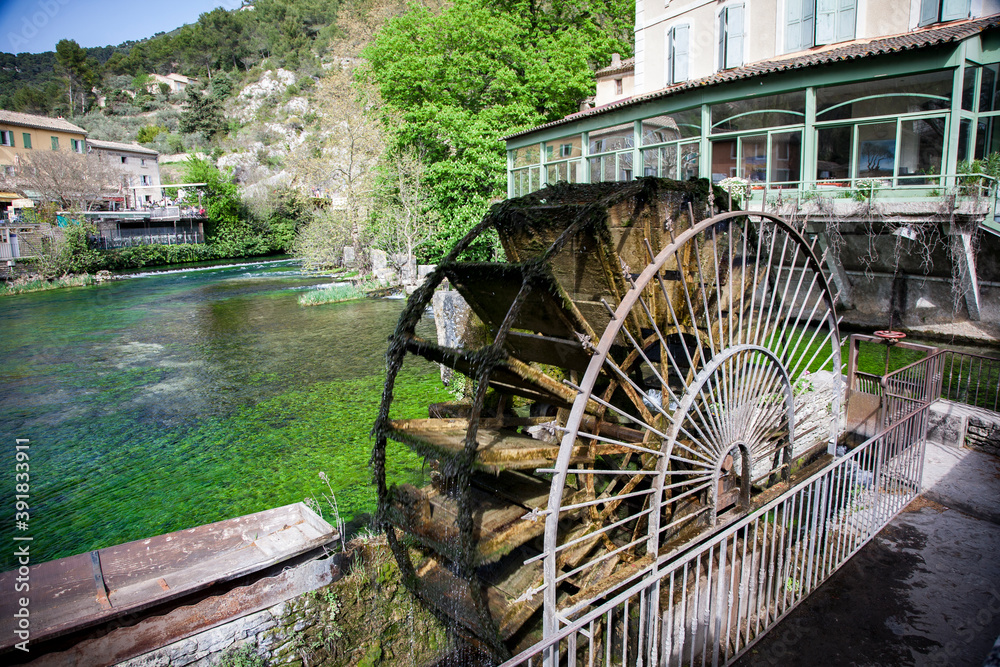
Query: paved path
[925, 591]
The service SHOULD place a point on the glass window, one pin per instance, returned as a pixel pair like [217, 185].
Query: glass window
[989, 96]
[614, 138]
[567, 171]
[753, 158]
[527, 156]
[690, 160]
[876, 150]
[921, 148]
[885, 97]
[678, 125]
[724, 159]
[759, 112]
[660, 161]
[969, 88]
[786, 157]
[7, 138]
[833, 153]
[964, 129]
[611, 167]
[987, 136]
[561, 149]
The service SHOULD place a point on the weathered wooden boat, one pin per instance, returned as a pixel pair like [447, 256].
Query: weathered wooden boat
[120, 584]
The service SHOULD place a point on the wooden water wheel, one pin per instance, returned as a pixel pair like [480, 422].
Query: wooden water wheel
[633, 386]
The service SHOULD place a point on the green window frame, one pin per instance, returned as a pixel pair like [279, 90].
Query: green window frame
[27, 139]
[55, 143]
[7, 138]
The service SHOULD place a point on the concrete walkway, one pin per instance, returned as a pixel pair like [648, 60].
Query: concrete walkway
[925, 591]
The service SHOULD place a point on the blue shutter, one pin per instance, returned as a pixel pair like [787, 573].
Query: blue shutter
[793, 26]
[929, 11]
[806, 30]
[952, 10]
[734, 36]
[722, 38]
[679, 50]
[846, 18]
[826, 21]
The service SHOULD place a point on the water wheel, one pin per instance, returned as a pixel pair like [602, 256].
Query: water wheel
[635, 382]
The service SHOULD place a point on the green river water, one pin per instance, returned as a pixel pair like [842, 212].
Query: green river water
[166, 401]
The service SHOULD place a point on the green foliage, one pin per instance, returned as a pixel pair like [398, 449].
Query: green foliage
[81, 73]
[148, 133]
[69, 254]
[461, 79]
[244, 656]
[202, 114]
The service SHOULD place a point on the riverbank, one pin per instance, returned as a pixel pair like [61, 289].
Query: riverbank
[27, 284]
[364, 616]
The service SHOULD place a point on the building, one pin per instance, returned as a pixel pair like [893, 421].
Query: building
[21, 133]
[176, 82]
[809, 106]
[142, 166]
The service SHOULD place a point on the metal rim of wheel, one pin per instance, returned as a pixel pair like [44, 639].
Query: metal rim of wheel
[742, 333]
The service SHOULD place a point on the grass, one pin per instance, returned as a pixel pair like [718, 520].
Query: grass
[24, 285]
[340, 292]
[331, 294]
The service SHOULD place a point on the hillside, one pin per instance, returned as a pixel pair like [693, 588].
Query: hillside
[384, 108]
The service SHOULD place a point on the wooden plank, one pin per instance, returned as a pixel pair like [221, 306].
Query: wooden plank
[65, 598]
[490, 290]
[499, 502]
[561, 352]
[498, 449]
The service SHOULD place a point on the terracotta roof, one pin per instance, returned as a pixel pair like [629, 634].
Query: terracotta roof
[41, 122]
[822, 55]
[115, 146]
[626, 65]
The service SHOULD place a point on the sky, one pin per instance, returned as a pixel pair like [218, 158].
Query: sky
[34, 26]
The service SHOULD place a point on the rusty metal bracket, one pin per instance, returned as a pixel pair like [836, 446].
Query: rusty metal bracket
[102, 589]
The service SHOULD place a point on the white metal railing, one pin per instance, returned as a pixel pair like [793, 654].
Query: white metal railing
[709, 604]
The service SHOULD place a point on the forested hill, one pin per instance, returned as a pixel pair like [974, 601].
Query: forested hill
[289, 33]
[392, 110]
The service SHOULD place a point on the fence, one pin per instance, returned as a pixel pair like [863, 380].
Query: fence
[971, 379]
[711, 603]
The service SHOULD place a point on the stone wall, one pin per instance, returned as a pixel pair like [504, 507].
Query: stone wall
[366, 617]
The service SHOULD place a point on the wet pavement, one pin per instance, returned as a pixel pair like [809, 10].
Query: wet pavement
[924, 591]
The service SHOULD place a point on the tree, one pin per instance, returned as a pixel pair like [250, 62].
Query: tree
[81, 73]
[463, 78]
[342, 159]
[404, 219]
[202, 114]
[71, 181]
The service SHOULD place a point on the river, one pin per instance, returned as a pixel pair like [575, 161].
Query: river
[169, 400]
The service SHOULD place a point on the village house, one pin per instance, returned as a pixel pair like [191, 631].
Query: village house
[176, 82]
[815, 105]
[142, 166]
[21, 133]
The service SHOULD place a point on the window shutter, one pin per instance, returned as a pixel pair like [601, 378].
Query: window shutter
[952, 10]
[793, 26]
[679, 54]
[929, 11]
[846, 19]
[807, 27]
[734, 36]
[27, 139]
[722, 37]
[826, 21]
